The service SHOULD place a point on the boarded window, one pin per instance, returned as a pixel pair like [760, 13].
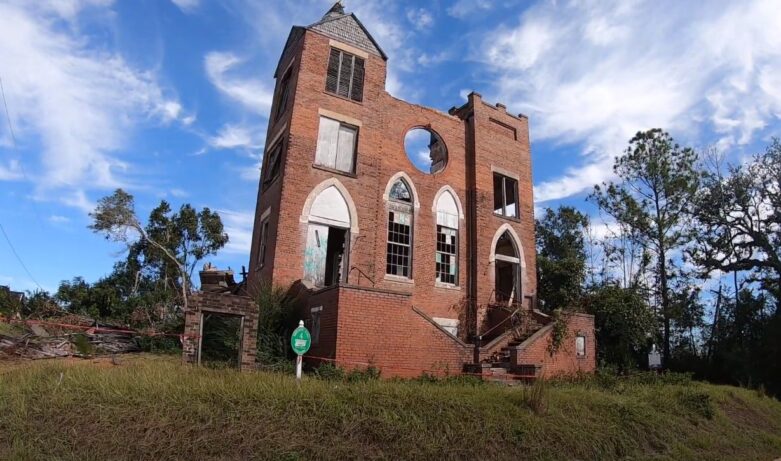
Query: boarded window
[580, 345]
[274, 162]
[505, 196]
[399, 254]
[336, 143]
[345, 75]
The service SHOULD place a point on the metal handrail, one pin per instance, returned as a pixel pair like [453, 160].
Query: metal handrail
[356, 268]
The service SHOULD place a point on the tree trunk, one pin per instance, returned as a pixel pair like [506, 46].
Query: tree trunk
[665, 305]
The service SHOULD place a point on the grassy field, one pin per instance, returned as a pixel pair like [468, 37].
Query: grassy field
[150, 407]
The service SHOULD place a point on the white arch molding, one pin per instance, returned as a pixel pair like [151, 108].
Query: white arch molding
[518, 245]
[329, 205]
[410, 184]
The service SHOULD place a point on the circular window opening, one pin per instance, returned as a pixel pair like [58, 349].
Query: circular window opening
[425, 150]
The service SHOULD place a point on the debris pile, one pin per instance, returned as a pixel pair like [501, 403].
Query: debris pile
[40, 340]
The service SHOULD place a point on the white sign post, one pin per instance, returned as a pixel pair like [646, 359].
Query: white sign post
[654, 359]
[300, 341]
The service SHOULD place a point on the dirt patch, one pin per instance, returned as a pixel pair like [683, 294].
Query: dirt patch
[742, 414]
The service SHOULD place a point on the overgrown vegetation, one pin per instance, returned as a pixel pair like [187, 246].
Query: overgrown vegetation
[151, 407]
[275, 325]
[689, 258]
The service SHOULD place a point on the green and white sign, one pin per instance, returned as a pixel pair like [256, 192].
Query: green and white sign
[301, 340]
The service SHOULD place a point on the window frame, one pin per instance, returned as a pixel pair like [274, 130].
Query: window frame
[406, 207]
[351, 79]
[284, 90]
[263, 242]
[267, 159]
[504, 179]
[342, 124]
[577, 352]
[454, 256]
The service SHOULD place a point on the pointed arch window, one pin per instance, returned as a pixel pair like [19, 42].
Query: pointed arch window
[447, 239]
[399, 245]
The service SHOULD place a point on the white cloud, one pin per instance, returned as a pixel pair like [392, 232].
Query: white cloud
[421, 18]
[11, 172]
[251, 93]
[592, 73]
[187, 6]
[463, 8]
[236, 136]
[178, 193]
[238, 226]
[59, 219]
[80, 103]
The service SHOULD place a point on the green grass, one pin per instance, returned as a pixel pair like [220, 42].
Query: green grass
[155, 408]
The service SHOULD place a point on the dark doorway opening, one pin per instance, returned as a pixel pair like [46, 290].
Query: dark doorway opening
[506, 281]
[334, 255]
[220, 340]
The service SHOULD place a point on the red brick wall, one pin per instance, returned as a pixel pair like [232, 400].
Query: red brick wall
[222, 303]
[565, 360]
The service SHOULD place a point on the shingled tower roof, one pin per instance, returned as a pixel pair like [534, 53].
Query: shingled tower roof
[348, 29]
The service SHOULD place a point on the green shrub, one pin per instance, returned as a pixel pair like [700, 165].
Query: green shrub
[275, 325]
[370, 373]
[536, 396]
[329, 372]
[83, 345]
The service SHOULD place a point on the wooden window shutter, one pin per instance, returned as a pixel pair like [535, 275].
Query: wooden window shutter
[357, 86]
[345, 75]
[332, 76]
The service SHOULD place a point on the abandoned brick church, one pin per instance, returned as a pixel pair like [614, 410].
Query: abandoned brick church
[406, 270]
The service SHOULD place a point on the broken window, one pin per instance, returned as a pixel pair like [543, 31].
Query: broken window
[399, 252]
[263, 242]
[447, 239]
[507, 270]
[580, 345]
[274, 162]
[284, 94]
[326, 253]
[345, 75]
[505, 196]
[336, 143]
[447, 244]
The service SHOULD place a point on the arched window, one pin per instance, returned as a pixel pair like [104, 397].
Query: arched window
[399, 248]
[328, 236]
[447, 239]
[507, 270]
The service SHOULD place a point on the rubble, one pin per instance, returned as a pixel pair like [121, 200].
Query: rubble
[41, 340]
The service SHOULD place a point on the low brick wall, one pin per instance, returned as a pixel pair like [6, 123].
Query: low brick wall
[221, 303]
[535, 350]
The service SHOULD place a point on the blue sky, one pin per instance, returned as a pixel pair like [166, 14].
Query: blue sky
[169, 98]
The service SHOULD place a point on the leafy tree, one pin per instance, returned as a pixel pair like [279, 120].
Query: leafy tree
[170, 245]
[739, 217]
[657, 180]
[561, 258]
[40, 304]
[624, 324]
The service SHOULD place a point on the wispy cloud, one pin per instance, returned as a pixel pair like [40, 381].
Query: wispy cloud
[463, 8]
[247, 91]
[592, 73]
[187, 6]
[238, 226]
[11, 171]
[236, 136]
[421, 18]
[80, 103]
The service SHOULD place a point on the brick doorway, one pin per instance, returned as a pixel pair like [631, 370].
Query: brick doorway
[221, 340]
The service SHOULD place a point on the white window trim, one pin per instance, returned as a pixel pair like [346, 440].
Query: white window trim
[348, 49]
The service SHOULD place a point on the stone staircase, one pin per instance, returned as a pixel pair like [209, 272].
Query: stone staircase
[498, 367]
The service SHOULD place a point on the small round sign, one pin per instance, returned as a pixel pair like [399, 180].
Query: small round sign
[300, 340]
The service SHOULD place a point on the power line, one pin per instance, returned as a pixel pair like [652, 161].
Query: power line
[16, 148]
[13, 250]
